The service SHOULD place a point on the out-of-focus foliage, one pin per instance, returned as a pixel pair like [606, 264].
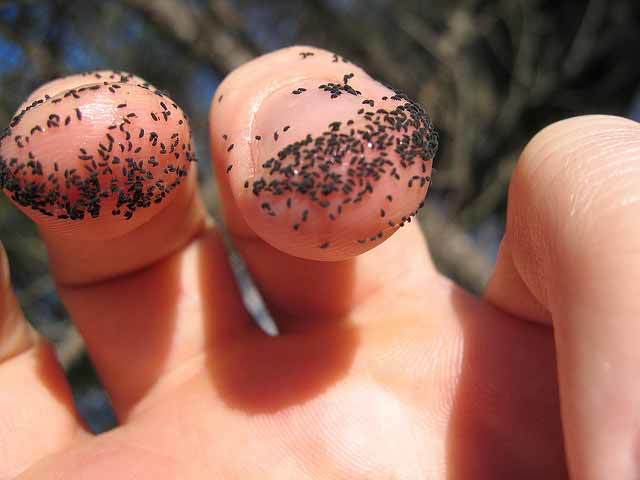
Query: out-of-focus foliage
[491, 72]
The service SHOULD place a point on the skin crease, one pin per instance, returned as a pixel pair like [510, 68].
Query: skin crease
[385, 369]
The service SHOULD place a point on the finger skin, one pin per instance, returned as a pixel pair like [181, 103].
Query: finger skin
[77, 152]
[92, 159]
[572, 239]
[37, 412]
[322, 161]
[103, 164]
[15, 333]
[302, 214]
[37, 415]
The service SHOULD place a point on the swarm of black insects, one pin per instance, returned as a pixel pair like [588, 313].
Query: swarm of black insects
[112, 171]
[133, 167]
[313, 166]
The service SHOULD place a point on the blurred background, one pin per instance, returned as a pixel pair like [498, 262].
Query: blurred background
[491, 73]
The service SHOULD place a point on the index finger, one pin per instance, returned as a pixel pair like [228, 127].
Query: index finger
[319, 163]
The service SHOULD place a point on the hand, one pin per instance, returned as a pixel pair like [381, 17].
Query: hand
[383, 369]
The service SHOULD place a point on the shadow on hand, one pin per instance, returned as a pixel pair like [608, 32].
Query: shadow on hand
[53, 378]
[258, 374]
[128, 325]
[505, 421]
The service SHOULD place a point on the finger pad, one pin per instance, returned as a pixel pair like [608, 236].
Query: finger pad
[95, 149]
[333, 163]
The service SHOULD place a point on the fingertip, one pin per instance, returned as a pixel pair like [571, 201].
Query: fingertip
[103, 147]
[566, 138]
[331, 163]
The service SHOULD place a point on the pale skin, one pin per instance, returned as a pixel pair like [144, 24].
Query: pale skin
[384, 369]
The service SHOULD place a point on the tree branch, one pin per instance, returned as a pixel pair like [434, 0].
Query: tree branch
[203, 34]
[453, 251]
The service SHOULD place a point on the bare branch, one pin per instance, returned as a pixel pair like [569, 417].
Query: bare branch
[70, 349]
[203, 34]
[585, 38]
[453, 250]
